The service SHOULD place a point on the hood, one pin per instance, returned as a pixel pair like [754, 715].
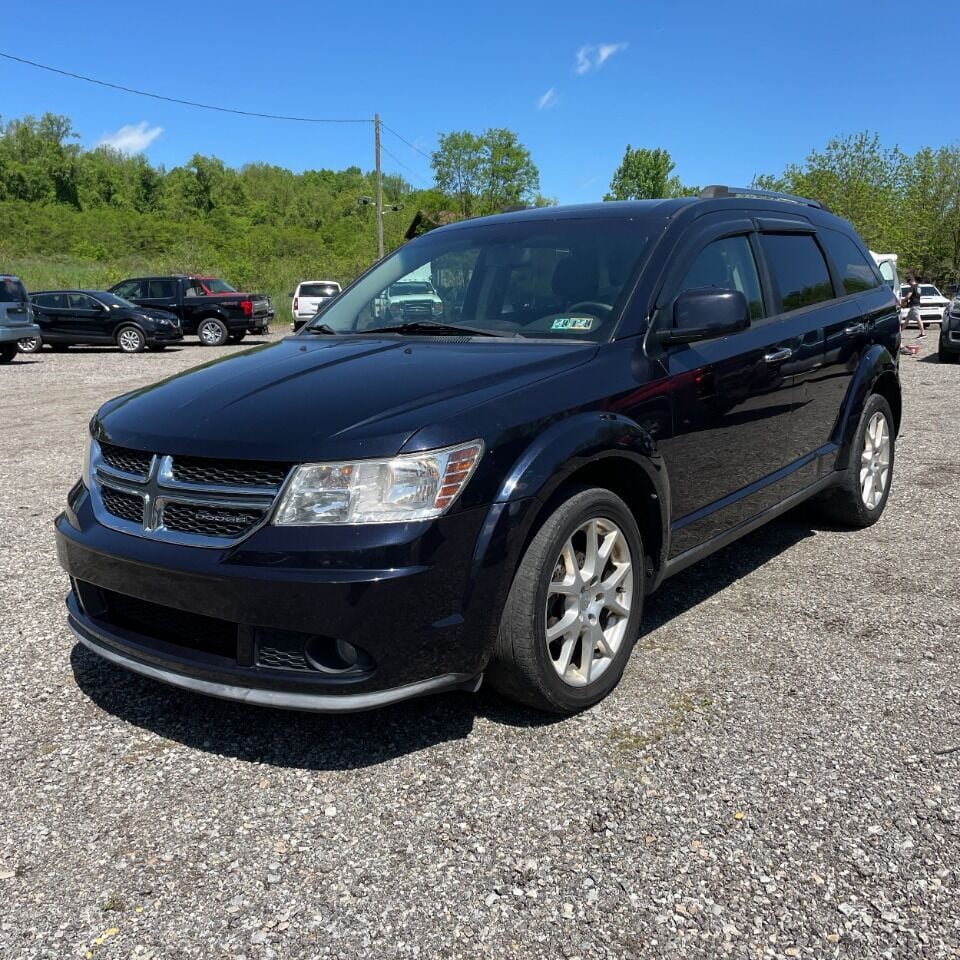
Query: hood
[156, 314]
[314, 398]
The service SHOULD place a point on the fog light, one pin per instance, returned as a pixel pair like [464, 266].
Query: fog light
[336, 656]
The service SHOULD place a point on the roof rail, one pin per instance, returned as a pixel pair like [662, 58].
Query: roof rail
[718, 190]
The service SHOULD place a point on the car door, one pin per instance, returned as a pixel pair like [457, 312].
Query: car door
[159, 294]
[81, 319]
[53, 317]
[731, 398]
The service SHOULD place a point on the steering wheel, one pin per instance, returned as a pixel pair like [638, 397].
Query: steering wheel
[598, 309]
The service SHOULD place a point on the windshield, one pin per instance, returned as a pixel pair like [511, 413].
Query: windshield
[541, 279]
[217, 286]
[11, 290]
[112, 300]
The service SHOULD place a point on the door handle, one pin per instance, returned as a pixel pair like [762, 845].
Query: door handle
[778, 356]
[851, 328]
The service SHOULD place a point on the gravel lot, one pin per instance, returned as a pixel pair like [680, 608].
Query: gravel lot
[776, 776]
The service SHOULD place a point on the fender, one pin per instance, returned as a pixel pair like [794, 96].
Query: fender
[877, 362]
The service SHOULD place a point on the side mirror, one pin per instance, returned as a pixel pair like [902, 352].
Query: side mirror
[96, 306]
[704, 314]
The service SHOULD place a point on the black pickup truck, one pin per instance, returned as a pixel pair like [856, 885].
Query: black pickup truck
[207, 306]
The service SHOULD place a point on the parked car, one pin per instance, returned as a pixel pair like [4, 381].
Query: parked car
[88, 317]
[309, 297]
[949, 346]
[408, 299]
[207, 306]
[933, 304]
[16, 316]
[493, 496]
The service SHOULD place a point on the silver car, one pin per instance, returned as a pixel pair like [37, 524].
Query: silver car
[16, 317]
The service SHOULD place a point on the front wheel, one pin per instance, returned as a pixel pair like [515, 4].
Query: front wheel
[858, 500]
[573, 612]
[945, 356]
[131, 340]
[212, 332]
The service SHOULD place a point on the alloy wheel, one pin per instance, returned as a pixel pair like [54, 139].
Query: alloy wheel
[210, 333]
[875, 461]
[130, 341]
[589, 601]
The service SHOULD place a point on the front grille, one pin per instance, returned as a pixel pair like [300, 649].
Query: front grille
[229, 473]
[209, 520]
[418, 308]
[126, 506]
[170, 625]
[122, 458]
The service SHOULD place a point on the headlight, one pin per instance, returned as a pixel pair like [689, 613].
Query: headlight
[416, 486]
[437, 309]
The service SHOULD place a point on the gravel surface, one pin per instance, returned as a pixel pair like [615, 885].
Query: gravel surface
[776, 776]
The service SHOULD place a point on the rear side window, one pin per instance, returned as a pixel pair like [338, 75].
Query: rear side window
[729, 265]
[52, 301]
[798, 268]
[855, 270]
[128, 289]
[159, 290]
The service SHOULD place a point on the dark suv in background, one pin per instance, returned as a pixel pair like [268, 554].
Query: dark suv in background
[607, 394]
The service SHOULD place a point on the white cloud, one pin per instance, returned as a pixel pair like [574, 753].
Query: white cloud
[548, 100]
[592, 56]
[133, 138]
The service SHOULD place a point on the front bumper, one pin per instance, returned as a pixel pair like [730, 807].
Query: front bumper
[950, 338]
[173, 335]
[245, 623]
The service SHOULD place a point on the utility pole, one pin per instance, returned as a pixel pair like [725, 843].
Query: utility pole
[376, 140]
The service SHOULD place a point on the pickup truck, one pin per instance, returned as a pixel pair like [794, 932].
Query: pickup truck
[207, 306]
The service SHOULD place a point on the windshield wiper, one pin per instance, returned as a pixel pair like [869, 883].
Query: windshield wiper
[323, 328]
[432, 326]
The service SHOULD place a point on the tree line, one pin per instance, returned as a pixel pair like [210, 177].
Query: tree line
[71, 216]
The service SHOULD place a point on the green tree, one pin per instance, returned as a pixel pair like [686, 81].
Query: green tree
[645, 174]
[484, 173]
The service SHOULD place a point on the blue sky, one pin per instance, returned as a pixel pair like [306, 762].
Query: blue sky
[730, 90]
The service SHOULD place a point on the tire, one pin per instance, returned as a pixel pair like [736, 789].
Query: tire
[156, 347]
[30, 345]
[8, 352]
[212, 332]
[131, 340]
[529, 667]
[945, 356]
[237, 337]
[852, 503]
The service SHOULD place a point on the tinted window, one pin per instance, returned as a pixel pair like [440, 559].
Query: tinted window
[157, 290]
[318, 290]
[129, 288]
[856, 271]
[79, 301]
[798, 268]
[12, 291]
[49, 300]
[728, 264]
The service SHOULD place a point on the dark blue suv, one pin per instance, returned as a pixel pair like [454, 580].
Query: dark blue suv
[376, 509]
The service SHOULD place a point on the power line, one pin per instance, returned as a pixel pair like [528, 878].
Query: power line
[185, 103]
[407, 142]
[402, 164]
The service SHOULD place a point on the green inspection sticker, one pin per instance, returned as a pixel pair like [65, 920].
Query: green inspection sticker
[572, 323]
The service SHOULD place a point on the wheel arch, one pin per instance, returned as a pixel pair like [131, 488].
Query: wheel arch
[129, 325]
[877, 373]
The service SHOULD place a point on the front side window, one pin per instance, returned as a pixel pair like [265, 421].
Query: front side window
[539, 279]
[212, 285]
[78, 301]
[856, 272]
[798, 269]
[727, 264]
[129, 288]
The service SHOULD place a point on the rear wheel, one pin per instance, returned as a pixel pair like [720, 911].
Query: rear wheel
[131, 340]
[29, 345]
[573, 612]
[8, 352]
[861, 495]
[212, 332]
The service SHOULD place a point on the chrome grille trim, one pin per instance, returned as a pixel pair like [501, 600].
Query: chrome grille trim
[159, 487]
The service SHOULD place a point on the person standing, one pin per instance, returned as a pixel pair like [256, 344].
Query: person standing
[912, 302]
